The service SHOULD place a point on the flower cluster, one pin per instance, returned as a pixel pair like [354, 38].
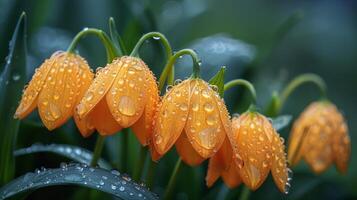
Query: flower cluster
[191, 116]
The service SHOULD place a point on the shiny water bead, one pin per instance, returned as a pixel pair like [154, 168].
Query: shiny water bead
[194, 107]
[260, 148]
[320, 136]
[55, 90]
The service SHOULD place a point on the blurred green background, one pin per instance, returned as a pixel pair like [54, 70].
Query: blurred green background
[266, 42]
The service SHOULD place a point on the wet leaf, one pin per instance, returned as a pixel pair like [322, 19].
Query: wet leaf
[281, 122]
[12, 81]
[110, 182]
[218, 80]
[74, 153]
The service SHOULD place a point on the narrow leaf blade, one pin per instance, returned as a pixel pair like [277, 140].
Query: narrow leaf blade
[218, 80]
[281, 122]
[12, 81]
[110, 182]
[74, 153]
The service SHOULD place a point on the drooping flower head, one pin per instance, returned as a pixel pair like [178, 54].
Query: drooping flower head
[123, 94]
[56, 88]
[223, 165]
[258, 149]
[194, 117]
[320, 137]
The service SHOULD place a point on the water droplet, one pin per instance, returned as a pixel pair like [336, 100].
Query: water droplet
[127, 106]
[73, 177]
[101, 182]
[261, 138]
[208, 107]
[206, 137]
[158, 139]
[115, 172]
[177, 81]
[168, 88]
[16, 77]
[156, 37]
[205, 93]
[53, 113]
[56, 97]
[183, 107]
[89, 96]
[122, 188]
[195, 106]
[113, 187]
[211, 120]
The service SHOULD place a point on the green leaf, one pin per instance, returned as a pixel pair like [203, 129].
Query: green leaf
[110, 182]
[74, 153]
[281, 122]
[12, 81]
[115, 37]
[218, 80]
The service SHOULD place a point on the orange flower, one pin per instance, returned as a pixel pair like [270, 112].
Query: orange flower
[123, 94]
[320, 136]
[222, 164]
[193, 116]
[56, 88]
[259, 146]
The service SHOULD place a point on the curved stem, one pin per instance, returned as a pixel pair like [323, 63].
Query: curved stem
[167, 47]
[97, 150]
[172, 60]
[298, 81]
[139, 165]
[150, 173]
[172, 180]
[244, 83]
[244, 193]
[110, 48]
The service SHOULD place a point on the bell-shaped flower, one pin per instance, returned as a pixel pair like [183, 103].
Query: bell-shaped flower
[123, 94]
[320, 137]
[194, 117]
[56, 88]
[259, 146]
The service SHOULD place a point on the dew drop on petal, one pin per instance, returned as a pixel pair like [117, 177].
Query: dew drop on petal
[127, 106]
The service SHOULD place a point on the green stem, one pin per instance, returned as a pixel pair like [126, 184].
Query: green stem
[150, 173]
[170, 63]
[245, 193]
[244, 83]
[172, 180]
[109, 47]
[167, 47]
[124, 150]
[298, 81]
[139, 165]
[97, 150]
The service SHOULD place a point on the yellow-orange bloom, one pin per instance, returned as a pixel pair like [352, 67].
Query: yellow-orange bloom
[56, 88]
[320, 137]
[259, 146]
[193, 116]
[123, 94]
[222, 165]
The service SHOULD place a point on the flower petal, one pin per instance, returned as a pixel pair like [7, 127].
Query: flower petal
[204, 128]
[341, 147]
[251, 139]
[104, 79]
[126, 98]
[171, 117]
[103, 120]
[84, 81]
[231, 176]
[29, 98]
[317, 149]
[186, 152]
[58, 97]
[144, 127]
[296, 139]
[279, 167]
